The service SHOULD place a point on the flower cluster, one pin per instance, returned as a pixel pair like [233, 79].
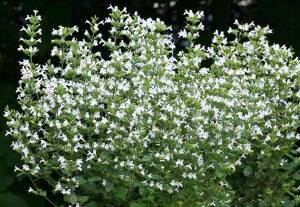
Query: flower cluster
[148, 125]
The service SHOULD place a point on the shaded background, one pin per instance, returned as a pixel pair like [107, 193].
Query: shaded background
[283, 16]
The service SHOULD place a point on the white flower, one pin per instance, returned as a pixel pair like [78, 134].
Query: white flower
[200, 161]
[65, 123]
[79, 164]
[20, 48]
[65, 191]
[190, 13]
[26, 167]
[183, 33]
[30, 190]
[62, 162]
[104, 182]
[179, 163]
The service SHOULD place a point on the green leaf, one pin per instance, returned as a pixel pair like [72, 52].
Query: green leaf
[109, 186]
[82, 199]
[92, 204]
[287, 166]
[137, 205]
[147, 158]
[297, 176]
[91, 188]
[71, 198]
[142, 191]
[121, 192]
[247, 171]
[41, 192]
[81, 180]
[219, 173]
[93, 179]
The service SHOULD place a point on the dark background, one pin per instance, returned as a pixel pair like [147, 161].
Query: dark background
[283, 16]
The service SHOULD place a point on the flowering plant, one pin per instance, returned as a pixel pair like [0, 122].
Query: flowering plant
[149, 126]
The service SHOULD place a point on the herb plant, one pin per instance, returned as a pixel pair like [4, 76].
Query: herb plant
[148, 125]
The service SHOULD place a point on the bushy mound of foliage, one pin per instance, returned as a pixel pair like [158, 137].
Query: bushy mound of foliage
[131, 121]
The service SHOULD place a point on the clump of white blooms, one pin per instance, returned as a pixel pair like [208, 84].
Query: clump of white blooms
[149, 125]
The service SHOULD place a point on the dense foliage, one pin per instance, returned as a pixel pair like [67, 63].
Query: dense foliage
[148, 125]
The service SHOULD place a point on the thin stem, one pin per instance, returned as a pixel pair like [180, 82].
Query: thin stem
[51, 202]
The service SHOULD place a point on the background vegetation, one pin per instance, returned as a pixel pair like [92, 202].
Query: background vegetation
[283, 16]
